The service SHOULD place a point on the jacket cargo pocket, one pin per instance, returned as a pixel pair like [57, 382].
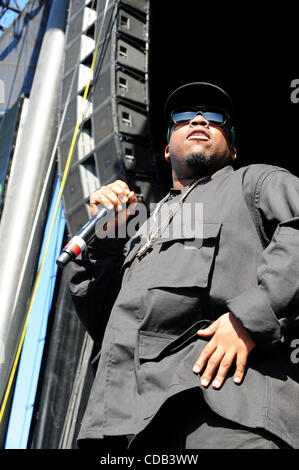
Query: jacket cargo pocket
[186, 262]
[156, 346]
[162, 364]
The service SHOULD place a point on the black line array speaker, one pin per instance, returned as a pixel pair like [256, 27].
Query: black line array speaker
[114, 140]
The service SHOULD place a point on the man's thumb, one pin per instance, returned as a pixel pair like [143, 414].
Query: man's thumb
[210, 330]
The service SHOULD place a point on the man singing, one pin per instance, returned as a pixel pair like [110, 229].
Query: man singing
[193, 326]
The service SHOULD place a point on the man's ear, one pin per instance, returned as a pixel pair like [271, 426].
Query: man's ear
[167, 154]
[233, 153]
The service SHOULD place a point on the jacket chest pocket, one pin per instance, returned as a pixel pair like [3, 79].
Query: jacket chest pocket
[186, 262]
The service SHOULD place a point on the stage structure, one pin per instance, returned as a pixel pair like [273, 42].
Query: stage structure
[115, 135]
[28, 126]
[113, 142]
[7, 6]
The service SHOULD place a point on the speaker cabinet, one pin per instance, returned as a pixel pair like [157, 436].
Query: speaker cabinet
[114, 139]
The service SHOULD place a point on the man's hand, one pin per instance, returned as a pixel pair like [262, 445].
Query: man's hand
[116, 196]
[230, 342]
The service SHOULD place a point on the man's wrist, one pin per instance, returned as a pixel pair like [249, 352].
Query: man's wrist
[256, 315]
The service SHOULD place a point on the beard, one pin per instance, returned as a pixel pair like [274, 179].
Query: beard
[201, 162]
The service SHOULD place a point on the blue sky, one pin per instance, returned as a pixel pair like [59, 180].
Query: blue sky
[9, 16]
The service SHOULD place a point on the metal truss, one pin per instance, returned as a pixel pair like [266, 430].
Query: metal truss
[6, 6]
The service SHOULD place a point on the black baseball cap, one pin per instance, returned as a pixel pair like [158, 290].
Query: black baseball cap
[198, 93]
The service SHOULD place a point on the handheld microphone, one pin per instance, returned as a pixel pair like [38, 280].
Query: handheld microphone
[79, 241]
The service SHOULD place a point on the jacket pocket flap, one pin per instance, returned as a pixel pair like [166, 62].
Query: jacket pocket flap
[211, 230]
[155, 346]
[186, 263]
[151, 344]
[199, 233]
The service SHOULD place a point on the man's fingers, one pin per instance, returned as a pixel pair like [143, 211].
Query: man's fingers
[132, 203]
[102, 199]
[210, 330]
[223, 362]
[123, 187]
[132, 197]
[240, 367]
[211, 367]
[206, 353]
[107, 197]
[231, 343]
[224, 367]
[113, 196]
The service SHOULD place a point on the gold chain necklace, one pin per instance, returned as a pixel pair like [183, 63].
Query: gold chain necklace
[151, 237]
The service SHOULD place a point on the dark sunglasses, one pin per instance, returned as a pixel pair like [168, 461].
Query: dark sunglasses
[215, 116]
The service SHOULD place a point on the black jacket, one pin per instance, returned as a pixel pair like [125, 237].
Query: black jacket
[246, 261]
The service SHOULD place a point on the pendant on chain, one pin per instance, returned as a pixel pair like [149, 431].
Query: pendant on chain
[144, 249]
[152, 236]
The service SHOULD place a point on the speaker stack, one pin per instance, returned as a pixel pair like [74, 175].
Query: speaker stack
[114, 141]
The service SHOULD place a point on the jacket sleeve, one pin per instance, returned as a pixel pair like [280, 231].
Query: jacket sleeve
[274, 301]
[94, 283]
